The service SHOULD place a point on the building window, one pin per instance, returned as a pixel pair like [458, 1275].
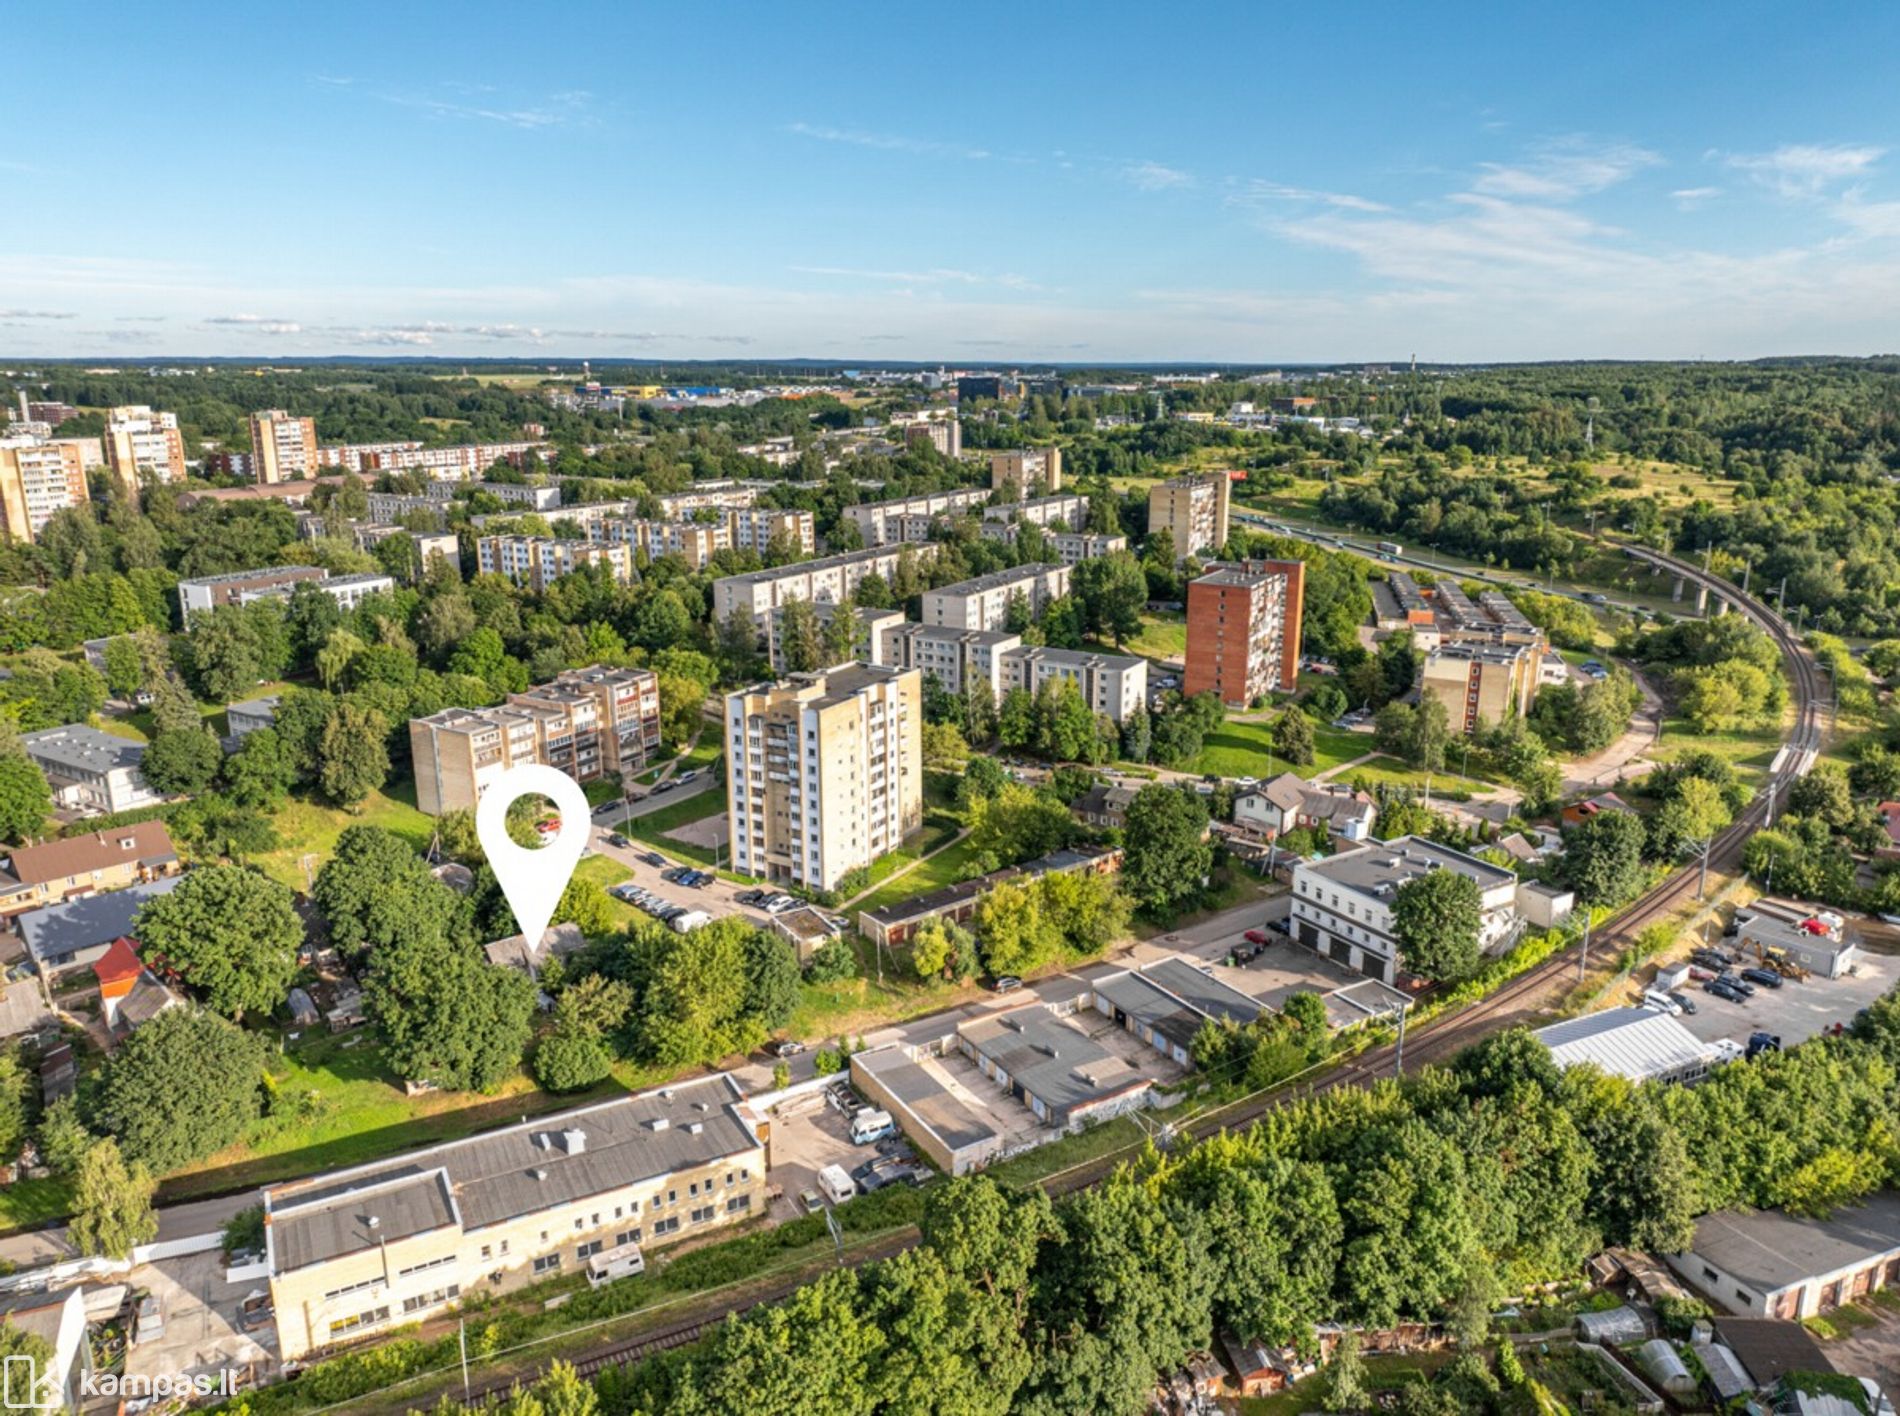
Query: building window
[702, 1216]
[357, 1321]
[1743, 1296]
[547, 1263]
[589, 1249]
[625, 1237]
[666, 1226]
[738, 1204]
[429, 1300]
[1710, 1274]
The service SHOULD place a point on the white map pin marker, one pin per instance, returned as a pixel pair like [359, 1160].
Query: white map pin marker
[533, 880]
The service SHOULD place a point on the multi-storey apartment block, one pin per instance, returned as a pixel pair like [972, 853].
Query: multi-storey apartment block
[1481, 684]
[1243, 631]
[1114, 684]
[367, 535]
[1073, 546]
[825, 773]
[943, 434]
[1031, 472]
[283, 448]
[1069, 510]
[832, 578]
[354, 1252]
[532, 496]
[141, 444]
[723, 494]
[753, 527]
[234, 587]
[588, 722]
[1193, 510]
[873, 627]
[39, 477]
[959, 659]
[456, 463]
[884, 523]
[983, 603]
[539, 561]
[695, 542]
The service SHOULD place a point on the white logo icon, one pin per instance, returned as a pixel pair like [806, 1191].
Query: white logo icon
[533, 880]
[26, 1389]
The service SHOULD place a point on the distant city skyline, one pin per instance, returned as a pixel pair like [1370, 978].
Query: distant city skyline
[975, 185]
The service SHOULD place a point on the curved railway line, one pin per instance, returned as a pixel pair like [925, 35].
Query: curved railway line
[1519, 996]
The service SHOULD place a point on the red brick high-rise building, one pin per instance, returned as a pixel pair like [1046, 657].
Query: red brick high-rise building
[1243, 631]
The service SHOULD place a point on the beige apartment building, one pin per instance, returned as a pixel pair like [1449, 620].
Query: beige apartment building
[695, 542]
[884, 523]
[539, 561]
[832, 578]
[1480, 684]
[141, 444]
[587, 722]
[1029, 472]
[38, 478]
[1111, 684]
[355, 1252]
[825, 773]
[983, 603]
[1193, 510]
[753, 527]
[283, 448]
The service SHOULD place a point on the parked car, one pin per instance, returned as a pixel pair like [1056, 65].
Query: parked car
[1767, 978]
[1257, 936]
[1008, 983]
[691, 774]
[1761, 1042]
[785, 1047]
[1722, 988]
[749, 897]
[665, 786]
[808, 1200]
[1682, 1000]
[1711, 958]
[778, 904]
[1661, 1003]
[618, 841]
[1742, 985]
[655, 859]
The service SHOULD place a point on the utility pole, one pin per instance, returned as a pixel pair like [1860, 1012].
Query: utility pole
[1702, 885]
[1583, 959]
[1398, 1057]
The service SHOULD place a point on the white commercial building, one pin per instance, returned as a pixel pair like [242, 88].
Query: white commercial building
[1642, 1044]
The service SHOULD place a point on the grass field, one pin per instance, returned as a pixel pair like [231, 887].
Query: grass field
[1244, 749]
[947, 867]
[311, 828]
[939, 829]
[1750, 752]
[1163, 636]
[652, 828]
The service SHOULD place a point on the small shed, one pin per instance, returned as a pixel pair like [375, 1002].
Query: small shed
[303, 1008]
[1664, 1365]
[1614, 1327]
[1728, 1378]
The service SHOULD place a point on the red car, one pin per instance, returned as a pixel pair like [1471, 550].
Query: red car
[1257, 936]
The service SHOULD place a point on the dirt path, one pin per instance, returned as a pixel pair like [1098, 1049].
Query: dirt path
[900, 874]
[1628, 755]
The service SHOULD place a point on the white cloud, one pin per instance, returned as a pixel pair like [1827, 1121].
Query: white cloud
[1565, 169]
[1153, 177]
[1805, 169]
[1689, 198]
[1257, 190]
[887, 142]
[38, 315]
[263, 324]
[935, 276]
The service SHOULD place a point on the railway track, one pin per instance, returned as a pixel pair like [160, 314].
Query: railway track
[1524, 994]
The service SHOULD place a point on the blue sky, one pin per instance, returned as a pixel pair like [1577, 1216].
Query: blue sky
[969, 183]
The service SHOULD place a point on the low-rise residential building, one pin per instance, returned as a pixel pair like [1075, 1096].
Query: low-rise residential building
[1193, 511]
[824, 772]
[73, 934]
[1111, 684]
[588, 722]
[92, 773]
[75, 866]
[1028, 472]
[883, 523]
[538, 561]
[130, 995]
[1243, 631]
[1103, 806]
[984, 603]
[243, 719]
[142, 444]
[1290, 803]
[1770, 1264]
[354, 1252]
[206, 592]
[1342, 905]
[1641, 1044]
[530, 496]
[834, 578]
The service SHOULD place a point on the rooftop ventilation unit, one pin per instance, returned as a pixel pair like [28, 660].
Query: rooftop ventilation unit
[658, 1123]
[574, 1140]
[538, 1173]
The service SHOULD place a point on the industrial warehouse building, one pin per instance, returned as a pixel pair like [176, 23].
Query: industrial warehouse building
[1641, 1044]
[1769, 1264]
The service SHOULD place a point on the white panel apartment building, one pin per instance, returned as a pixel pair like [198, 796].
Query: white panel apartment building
[753, 527]
[884, 523]
[958, 658]
[1342, 905]
[830, 578]
[1115, 684]
[983, 603]
[1070, 508]
[825, 773]
[1074, 546]
[538, 561]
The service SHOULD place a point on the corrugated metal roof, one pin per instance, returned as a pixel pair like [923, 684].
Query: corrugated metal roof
[1638, 1043]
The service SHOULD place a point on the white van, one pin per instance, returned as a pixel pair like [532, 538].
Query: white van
[1662, 1003]
[621, 1261]
[837, 1186]
[870, 1126]
[691, 920]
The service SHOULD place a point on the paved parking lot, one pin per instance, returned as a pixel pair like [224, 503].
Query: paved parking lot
[1795, 1011]
[808, 1133]
[200, 1310]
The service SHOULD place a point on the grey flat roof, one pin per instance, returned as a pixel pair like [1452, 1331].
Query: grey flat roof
[924, 1097]
[1147, 1003]
[781, 572]
[1011, 575]
[254, 707]
[1082, 658]
[84, 923]
[1052, 1059]
[1767, 1250]
[516, 1171]
[1202, 991]
[1403, 859]
[83, 748]
[268, 572]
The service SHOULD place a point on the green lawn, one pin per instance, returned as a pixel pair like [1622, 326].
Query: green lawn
[1750, 752]
[1244, 749]
[1163, 636]
[939, 829]
[311, 828]
[1390, 772]
[947, 867]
